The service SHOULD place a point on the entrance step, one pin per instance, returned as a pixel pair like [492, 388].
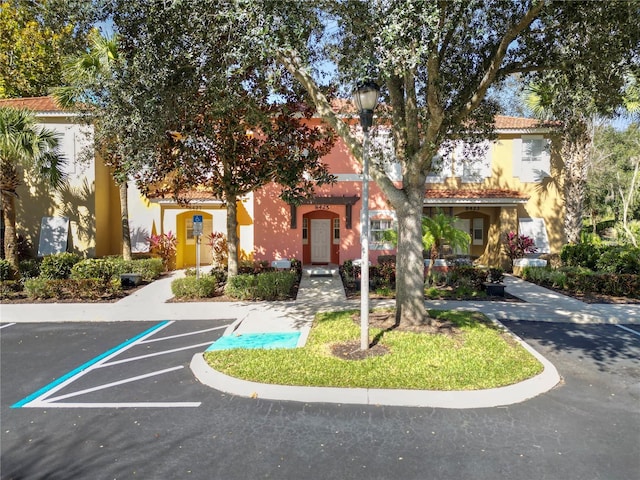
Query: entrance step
[321, 270]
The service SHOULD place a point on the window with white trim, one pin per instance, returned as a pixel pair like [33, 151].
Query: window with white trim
[336, 231]
[376, 231]
[532, 158]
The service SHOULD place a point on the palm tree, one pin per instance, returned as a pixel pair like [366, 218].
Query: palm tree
[438, 231]
[24, 145]
[85, 75]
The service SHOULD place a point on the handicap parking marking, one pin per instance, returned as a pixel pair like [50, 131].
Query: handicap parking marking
[45, 397]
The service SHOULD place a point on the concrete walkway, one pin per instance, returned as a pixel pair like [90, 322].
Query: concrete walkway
[321, 290]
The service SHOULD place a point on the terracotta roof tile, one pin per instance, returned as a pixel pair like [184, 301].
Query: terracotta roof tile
[48, 104]
[474, 194]
[37, 104]
[504, 122]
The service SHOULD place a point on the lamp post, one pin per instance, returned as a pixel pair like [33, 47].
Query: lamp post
[365, 98]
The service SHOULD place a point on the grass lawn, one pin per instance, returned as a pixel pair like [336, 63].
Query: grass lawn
[478, 355]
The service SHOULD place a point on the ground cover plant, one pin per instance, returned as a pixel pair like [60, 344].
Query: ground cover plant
[469, 353]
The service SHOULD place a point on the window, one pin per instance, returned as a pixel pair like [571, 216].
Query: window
[533, 149]
[376, 233]
[305, 231]
[478, 231]
[336, 231]
[191, 239]
[531, 162]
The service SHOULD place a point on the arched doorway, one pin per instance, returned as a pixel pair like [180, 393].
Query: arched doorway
[186, 250]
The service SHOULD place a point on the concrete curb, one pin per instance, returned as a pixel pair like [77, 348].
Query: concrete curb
[494, 397]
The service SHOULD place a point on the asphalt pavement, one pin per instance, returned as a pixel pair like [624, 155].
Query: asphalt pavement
[321, 290]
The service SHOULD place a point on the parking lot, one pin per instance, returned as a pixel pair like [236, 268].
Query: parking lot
[141, 364]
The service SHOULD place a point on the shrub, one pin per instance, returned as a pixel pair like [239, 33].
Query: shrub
[466, 275]
[219, 275]
[6, 270]
[496, 275]
[580, 255]
[9, 287]
[98, 268]
[149, 268]
[58, 266]
[263, 286]
[386, 270]
[76, 289]
[192, 287]
[29, 268]
[619, 259]
[241, 286]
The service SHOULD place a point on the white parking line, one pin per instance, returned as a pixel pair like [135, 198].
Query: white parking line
[133, 359]
[44, 398]
[630, 330]
[113, 384]
[197, 332]
[7, 325]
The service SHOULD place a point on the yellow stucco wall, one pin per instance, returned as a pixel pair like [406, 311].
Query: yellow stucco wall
[545, 201]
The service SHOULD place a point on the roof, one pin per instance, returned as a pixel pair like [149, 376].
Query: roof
[504, 122]
[49, 105]
[37, 104]
[496, 196]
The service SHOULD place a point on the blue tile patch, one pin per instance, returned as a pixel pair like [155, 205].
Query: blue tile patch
[256, 340]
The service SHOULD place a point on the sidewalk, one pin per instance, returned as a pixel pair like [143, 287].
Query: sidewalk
[321, 290]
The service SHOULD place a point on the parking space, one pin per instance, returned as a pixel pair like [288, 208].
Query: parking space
[115, 365]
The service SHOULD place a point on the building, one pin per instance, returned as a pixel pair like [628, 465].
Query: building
[511, 184]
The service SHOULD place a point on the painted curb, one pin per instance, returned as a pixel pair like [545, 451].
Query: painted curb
[494, 397]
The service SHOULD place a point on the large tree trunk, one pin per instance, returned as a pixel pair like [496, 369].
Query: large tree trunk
[10, 236]
[124, 219]
[232, 235]
[576, 147]
[410, 309]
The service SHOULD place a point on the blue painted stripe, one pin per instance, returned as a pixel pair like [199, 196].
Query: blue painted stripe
[84, 366]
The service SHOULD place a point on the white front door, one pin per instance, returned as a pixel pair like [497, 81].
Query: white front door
[320, 240]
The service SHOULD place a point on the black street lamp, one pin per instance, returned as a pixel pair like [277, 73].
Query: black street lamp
[365, 98]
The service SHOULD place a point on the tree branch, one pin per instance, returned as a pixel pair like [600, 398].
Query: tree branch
[495, 62]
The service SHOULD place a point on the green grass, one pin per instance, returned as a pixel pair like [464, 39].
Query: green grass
[481, 357]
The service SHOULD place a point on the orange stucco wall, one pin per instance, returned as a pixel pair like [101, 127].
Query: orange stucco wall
[274, 237]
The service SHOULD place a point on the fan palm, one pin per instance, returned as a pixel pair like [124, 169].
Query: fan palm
[24, 145]
[438, 231]
[85, 75]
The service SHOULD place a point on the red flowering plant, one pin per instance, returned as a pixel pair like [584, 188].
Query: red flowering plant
[217, 242]
[165, 246]
[517, 246]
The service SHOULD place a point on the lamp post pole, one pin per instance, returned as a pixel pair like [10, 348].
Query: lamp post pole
[365, 98]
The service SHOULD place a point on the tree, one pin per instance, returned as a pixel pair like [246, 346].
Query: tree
[219, 155]
[24, 146]
[184, 100]
[86, 76]
[435, 59]
[34, 39]
[613, 176]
